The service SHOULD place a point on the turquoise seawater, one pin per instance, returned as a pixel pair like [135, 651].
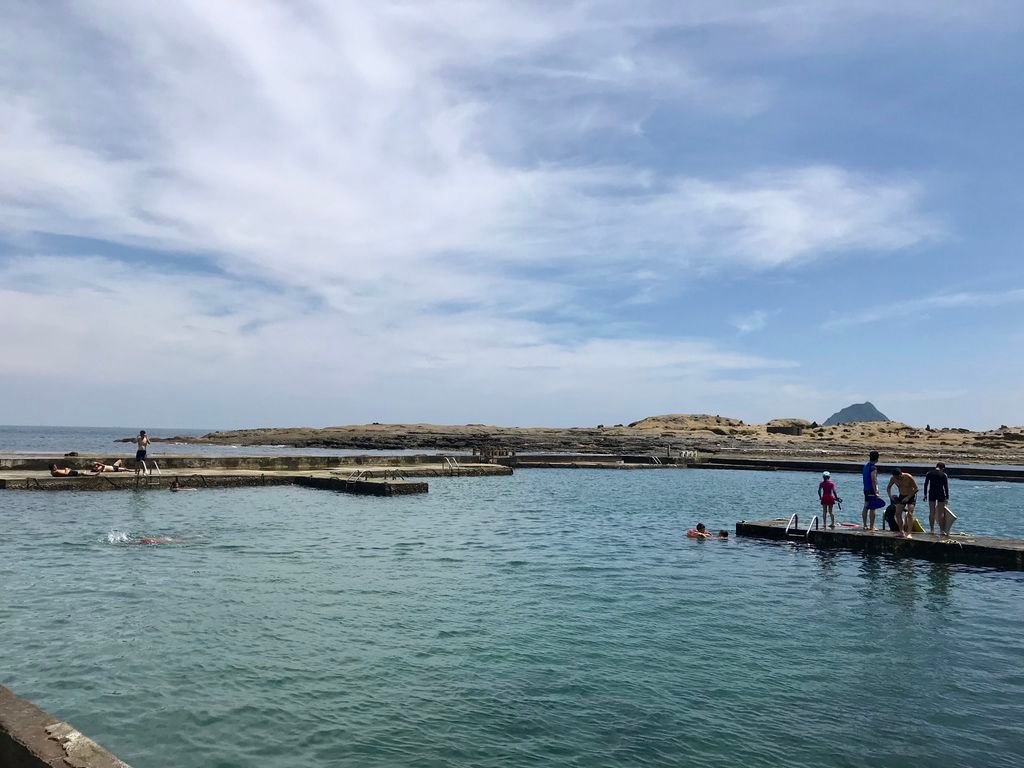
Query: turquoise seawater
[550, 618]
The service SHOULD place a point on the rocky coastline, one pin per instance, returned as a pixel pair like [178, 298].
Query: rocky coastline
[655, 435]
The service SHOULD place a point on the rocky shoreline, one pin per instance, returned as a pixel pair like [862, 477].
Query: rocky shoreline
[655, 435]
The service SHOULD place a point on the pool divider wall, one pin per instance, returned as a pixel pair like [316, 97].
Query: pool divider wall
[32, 738]
[970, 550]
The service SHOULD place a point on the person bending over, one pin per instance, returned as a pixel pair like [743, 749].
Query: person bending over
[905, 500]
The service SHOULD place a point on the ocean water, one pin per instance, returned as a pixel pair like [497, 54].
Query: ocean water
[101, 440]
[556, 617]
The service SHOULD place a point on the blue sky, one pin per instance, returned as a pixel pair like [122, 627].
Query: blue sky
[314, 213]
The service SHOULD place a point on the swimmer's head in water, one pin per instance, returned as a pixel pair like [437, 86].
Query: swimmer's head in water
[701, 528]
[723, 534]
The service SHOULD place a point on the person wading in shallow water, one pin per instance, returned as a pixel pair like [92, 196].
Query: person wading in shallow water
[871, 498]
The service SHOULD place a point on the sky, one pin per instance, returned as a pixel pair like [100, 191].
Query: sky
[318, 212]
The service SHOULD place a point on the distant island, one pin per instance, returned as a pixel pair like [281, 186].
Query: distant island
[789, 437]
[856, 413]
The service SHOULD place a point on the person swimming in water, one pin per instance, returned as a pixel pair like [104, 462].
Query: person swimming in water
[700, 532]
[158, 540]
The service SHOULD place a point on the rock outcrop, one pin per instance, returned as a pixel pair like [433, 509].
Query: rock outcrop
[855, 413]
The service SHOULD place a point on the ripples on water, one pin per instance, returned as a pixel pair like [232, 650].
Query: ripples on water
[555, 617]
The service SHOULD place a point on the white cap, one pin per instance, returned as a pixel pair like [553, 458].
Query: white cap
[825, 474]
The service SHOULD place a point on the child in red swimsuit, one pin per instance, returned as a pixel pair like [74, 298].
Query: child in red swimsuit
[828, 495]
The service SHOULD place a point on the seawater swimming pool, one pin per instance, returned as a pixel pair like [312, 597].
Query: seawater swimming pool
[555, 617]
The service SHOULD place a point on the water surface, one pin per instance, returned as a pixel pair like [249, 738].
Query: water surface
[556, 617]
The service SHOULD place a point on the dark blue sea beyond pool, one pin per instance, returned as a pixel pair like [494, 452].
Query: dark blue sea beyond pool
[102, 441]
[556, 617]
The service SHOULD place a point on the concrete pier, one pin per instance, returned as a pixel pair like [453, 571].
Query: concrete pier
[1009, 474]
[969, 549]
[32, 738]
[363, 486]
[383, 476]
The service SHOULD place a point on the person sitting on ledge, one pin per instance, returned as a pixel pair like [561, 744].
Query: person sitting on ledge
[99, 467]
[56, 471]
[700, 532]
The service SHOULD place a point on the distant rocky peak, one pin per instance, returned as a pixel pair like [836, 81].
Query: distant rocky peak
[856, 412]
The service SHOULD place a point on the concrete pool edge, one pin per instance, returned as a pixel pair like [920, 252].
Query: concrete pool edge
[32, 738]
[987, 551]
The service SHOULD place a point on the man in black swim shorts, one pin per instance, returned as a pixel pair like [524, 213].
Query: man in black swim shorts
[905, 501]
[140, 455]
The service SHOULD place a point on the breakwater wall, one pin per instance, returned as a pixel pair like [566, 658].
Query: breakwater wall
[41, 463]
[32, 738]
[556, 460]
[961, 472]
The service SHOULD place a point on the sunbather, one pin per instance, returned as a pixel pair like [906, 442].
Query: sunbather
[98, 467]
[56, 471]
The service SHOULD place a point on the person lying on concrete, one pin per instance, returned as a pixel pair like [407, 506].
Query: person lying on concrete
[905, 500]
[99, 467]
[56, 471]
[936, 490]
[700, 532]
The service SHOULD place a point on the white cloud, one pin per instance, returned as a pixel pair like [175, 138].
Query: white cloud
[391, 178]
[921, 307]
[755, 320]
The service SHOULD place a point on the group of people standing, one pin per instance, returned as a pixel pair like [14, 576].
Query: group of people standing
[902, 491]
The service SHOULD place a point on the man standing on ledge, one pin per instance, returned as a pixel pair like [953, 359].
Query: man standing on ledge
[140, 455]
[907, 487]
[871, 499]
[936, 490]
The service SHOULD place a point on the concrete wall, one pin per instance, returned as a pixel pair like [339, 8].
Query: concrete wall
[31, 738]
[265, 463]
